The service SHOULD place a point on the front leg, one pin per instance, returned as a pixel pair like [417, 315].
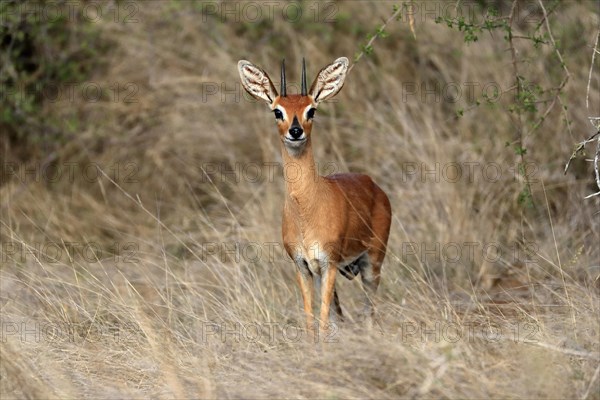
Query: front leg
[335, 312]
[305, 281]
[329, 272]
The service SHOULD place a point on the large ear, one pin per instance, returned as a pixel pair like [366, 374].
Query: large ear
[256, 81]
[330, 80]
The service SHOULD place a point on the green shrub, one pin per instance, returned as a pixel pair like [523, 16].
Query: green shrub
[43, 48]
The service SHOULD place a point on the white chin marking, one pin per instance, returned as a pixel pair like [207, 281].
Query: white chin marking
[292, 140]
[295, 148]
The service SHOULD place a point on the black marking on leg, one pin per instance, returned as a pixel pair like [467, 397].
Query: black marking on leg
[351, 270]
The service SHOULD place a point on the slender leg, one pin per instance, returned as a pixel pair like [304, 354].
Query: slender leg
[305, 281]
[370, 276]
[335, 310]
[317, 282]
[327, 293]
[338, 307]
[370, 271]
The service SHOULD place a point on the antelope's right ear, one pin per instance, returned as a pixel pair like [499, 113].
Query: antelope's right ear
[256, 81]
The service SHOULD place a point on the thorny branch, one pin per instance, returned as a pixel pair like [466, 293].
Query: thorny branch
[595, 121]
[564, 67]
[519, 89]
[381, 30]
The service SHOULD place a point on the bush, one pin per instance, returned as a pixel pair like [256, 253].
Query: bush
[40, 52]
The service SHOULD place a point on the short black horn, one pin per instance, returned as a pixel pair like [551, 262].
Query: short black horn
[303, 77]
[283, 93]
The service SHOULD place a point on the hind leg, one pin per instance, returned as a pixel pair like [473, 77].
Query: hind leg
[337, 307]
[370, 274]
[370, 271]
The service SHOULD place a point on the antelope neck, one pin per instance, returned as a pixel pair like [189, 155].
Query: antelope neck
[302, 179]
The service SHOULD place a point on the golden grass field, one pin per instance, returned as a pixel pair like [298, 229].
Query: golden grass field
[142, 256]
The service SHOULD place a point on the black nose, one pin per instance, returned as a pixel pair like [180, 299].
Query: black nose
[296, 132]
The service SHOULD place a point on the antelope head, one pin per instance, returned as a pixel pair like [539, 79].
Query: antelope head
[294, 113]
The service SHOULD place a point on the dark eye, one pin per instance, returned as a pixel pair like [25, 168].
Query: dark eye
[278, 114]
[311, 113]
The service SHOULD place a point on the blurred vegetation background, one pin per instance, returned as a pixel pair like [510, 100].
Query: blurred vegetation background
[124, 129]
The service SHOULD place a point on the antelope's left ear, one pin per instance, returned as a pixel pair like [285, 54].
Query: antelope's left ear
[329, 80]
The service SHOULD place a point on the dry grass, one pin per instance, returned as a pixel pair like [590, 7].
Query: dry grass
[519, 322]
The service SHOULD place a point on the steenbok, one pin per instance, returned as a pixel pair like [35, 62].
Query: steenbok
[331, 223]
